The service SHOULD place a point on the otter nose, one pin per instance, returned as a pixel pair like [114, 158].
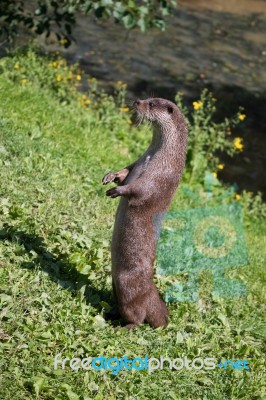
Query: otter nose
[136, 102]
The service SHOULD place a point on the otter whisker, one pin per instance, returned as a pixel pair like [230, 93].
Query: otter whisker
[139, 119]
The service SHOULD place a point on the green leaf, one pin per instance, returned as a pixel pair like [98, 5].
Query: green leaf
[142, 24]
[71, 395]
[39, 384]
[129, 21]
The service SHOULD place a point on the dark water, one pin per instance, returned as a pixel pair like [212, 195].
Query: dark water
[219, 44]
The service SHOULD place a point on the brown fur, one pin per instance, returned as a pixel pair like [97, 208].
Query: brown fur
[147, 187]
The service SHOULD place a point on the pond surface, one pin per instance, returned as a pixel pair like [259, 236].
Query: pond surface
[219, 44]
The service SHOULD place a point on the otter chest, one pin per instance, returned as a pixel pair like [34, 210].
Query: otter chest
[139, 168]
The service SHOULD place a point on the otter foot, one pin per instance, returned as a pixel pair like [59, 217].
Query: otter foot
[131, 326]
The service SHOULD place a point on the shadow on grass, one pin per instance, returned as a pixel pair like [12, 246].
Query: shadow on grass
[59, 269]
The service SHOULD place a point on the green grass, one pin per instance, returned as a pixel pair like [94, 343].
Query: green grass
[55, 227]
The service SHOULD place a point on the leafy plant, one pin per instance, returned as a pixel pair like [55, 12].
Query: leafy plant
[59, 16]
[207, 138]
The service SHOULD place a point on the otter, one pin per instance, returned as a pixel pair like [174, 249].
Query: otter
[146, 187]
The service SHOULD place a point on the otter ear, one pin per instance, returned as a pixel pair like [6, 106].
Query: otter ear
[170, 110]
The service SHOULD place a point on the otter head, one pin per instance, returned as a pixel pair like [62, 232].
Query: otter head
[159, 111]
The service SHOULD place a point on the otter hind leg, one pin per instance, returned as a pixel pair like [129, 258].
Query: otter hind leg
[157, 313]
[134, 313]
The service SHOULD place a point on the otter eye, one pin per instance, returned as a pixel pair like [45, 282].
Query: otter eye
[151, 104]
[170, 110]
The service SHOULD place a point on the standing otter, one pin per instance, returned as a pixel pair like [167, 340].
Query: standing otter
[147, 187]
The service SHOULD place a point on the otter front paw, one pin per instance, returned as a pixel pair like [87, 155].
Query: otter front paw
[109, 178]
[114, 192]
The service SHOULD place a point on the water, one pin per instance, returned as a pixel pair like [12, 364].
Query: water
[219, 44]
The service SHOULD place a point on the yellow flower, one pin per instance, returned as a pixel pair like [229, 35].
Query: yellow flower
[23, 81]
[214, 174]
[238, 144]
[58, 78]
[84, 100]
[124, 109]
[197, 104]
[55, 64]
[17, 66]
[70, 75]
[120, 85]
[78, 77]
[221, 166]
[242, 117]
[63, 41]
[237, 196]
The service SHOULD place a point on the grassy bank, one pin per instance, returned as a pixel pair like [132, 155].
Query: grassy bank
[55, 227]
